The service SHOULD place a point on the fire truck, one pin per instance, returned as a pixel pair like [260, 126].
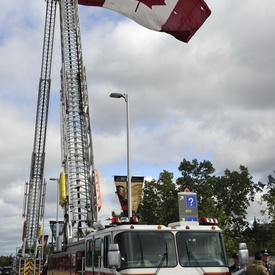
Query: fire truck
[122, 246]
[88, 245]
[125, 247]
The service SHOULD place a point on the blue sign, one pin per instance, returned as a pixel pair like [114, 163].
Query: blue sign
[192, 219]
[191, 201]
[188, 206]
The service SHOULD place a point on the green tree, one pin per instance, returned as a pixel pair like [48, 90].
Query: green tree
[198, 178]
[159, 203]
[269, 211]
[269, 198]
[6, 260]
[225, 197]
[236, 190]
[259, 236]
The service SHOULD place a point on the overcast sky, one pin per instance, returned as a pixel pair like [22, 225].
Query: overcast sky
[212, 99]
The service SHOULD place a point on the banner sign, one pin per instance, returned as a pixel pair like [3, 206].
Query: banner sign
[46, 240]
[53, 228]
[122, 192]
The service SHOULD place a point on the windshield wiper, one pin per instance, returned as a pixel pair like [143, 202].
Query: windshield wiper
[164, 256]
[189, 253]
[141, 249]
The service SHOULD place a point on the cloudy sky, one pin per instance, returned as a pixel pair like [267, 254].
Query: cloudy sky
[212, 99]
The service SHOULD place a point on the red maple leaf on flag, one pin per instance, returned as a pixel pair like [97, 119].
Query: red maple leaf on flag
[150, 3]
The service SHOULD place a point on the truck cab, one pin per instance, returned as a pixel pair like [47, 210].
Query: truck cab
[183, 247]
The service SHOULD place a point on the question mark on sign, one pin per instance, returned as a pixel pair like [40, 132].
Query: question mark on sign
[191, 200]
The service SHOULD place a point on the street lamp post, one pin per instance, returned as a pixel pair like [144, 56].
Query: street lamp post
[126, 98]
[57, 221]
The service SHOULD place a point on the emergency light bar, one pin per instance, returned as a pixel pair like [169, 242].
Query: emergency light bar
[208, 221]
[124, 220]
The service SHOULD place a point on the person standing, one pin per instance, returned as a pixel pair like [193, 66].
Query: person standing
[266, 257]
[257, 267]
[235, 267]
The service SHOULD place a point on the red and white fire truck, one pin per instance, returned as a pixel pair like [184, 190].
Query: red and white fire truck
[186, 247]
[87, 245]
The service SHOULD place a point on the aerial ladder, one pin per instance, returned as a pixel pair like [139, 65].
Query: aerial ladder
[81, 202]
[29, 258]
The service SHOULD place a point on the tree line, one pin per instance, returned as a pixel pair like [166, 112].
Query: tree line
[6, 260]
[225, 197]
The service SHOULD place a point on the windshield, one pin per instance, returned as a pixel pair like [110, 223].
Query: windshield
[146, 249]
[200, 249]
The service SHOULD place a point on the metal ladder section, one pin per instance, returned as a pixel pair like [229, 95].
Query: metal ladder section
[81, 206]
[33, 208]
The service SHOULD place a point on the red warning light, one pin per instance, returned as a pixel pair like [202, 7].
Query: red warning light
[116, 220]
[134, 220]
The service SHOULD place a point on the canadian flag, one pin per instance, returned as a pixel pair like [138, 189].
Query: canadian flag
[180, 18]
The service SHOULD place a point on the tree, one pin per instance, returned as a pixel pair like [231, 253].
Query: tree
[259, 236]
[225, 197]
[198, 178]
[236, 190]
[6, 260]
[269, 198]
[159, 203]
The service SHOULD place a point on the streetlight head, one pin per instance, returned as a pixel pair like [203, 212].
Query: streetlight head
[116, 95]
[53, 179]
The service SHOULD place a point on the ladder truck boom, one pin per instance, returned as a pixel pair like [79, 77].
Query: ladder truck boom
[80, 210]
[34, 200]
[29, 258]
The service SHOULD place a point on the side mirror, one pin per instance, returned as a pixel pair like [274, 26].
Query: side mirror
[243, 254]
[114, 257]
